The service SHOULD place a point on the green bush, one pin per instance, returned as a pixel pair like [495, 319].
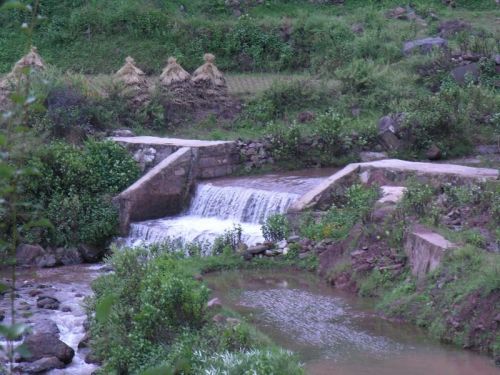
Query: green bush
[74, 186]
[276, 228]
[228, 241]
[155, 316]
[417, 198]
[353, 206]
[466, 113]
[285, 140]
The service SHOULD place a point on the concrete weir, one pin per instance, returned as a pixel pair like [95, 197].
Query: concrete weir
[171, 168]
[392, 170]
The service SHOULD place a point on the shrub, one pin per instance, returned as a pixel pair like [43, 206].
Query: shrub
[360, 76]
[265, 362]
[417, 198]
[336, 223]
[466, 113]
[156, 317]
[74, 186]
[276, 228]
[228, 241]
[285, 140]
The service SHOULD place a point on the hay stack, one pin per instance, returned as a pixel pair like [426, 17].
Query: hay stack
[209, 80]
[135, 83]
[176, 81]
[33, 60]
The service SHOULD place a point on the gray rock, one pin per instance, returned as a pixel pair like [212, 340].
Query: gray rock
[425, 45]
[46, 326]
[122, 133]
[433, 153]
[46, 261]
[388, 129]
[258, 249]
[47, 302]
[41, 345]
[28, 254]
[92, 359]
[214, 303]
[282, 244]
[357, 28]
[40, 366]
[467, 72]
[84, 343]
[68, 256]
[89, 253]
[367, 156]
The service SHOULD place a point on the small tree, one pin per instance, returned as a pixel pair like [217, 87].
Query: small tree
[16, 215]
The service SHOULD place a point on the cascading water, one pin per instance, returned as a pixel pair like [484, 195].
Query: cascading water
[214, 210]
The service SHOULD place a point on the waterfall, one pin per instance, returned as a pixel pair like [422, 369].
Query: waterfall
[213, 211]
[247, 205]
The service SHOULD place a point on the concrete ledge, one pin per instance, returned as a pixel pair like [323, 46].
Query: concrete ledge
[162, 191]
[425, 250]
[216, 158]
[394, 170]
[159, 141]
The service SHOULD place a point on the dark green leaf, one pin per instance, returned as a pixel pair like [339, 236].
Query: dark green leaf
[103, 308]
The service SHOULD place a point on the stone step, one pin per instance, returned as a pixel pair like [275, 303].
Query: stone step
[425, 250]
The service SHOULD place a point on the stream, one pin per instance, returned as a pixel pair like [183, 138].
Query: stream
[335, 333]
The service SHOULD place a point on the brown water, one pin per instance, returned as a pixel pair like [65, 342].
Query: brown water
[336, 333]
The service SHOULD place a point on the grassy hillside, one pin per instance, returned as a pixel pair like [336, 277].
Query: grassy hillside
[94, 36]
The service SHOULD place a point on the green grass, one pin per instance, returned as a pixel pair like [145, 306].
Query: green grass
[95, 36]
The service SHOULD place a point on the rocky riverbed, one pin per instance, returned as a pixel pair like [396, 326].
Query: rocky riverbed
[51, 301]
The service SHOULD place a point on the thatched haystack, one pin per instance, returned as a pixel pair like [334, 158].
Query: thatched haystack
[175, 81]
[209, 81]
[32, 60]
[134, 82]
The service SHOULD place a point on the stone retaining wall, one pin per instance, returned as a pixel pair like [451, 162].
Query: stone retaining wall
[216, 158]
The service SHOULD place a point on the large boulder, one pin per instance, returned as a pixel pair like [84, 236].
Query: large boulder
[40, 366]
[27, 255]
[44, 344]
[389, 129]
[68, 256]
[46, 326]
[425, 45]
[90, 254]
